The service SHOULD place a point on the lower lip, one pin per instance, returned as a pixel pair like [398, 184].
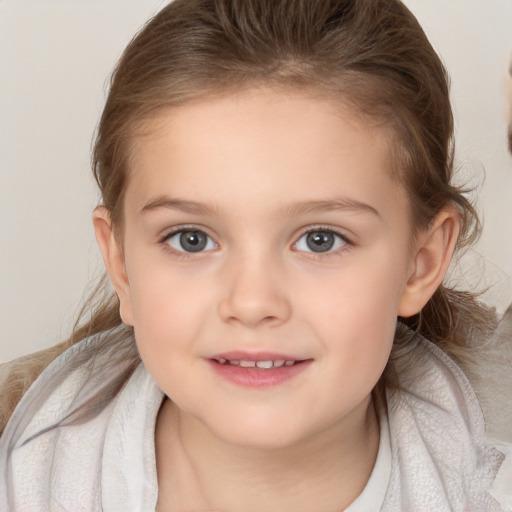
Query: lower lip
[257, 378]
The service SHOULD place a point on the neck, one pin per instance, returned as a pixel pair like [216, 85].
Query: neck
[325, 472]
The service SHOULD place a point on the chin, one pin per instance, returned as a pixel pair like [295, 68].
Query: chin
[264, 435]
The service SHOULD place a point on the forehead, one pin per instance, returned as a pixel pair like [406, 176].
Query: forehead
[260, 138]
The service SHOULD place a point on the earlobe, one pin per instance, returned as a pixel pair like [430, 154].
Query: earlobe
[114, 260]
[432, 256]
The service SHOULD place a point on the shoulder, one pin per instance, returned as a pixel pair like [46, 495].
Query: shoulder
[100, 363]
[491, 377]
[18, 375]
[65, 411]
[442, 458]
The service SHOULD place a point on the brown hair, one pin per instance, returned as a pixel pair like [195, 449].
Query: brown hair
[372, 54]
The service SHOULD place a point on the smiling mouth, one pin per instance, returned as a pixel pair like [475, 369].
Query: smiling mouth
[258, 371]
[260, 365]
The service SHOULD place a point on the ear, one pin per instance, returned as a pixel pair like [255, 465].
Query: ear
[114, 261]
[431, 258]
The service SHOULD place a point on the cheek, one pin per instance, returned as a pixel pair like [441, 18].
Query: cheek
[366, 293]
[166, 333]
[357, 317]
[364, 335]
[167, 312]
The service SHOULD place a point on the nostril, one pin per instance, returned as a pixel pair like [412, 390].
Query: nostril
[253, 298]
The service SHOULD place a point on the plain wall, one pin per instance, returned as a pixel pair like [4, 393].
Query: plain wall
[55, 57]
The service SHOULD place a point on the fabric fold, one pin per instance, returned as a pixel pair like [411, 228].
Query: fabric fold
[105, 459]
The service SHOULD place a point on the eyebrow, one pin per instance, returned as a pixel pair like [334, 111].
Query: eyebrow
[197, 208]
[332, 205]
[183, 205]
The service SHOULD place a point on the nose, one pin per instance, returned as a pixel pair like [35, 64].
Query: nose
[254, 294]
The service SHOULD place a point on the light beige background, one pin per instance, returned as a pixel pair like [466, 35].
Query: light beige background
[54, 60]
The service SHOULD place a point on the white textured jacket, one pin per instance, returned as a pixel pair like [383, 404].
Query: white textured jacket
[434, 458]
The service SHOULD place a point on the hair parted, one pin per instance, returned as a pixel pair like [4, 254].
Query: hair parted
[372, 55]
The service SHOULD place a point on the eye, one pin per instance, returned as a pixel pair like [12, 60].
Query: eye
[190, 241]
[320, 241]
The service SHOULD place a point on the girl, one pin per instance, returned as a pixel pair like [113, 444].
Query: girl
[277, 219]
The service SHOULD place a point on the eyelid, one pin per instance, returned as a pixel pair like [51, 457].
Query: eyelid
[170, 231]
[323, 228]
[183, 229]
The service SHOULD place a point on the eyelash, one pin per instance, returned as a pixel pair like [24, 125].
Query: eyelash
[347, 243]
[164, 241]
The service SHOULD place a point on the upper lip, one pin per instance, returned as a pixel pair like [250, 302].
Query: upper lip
[238, 355]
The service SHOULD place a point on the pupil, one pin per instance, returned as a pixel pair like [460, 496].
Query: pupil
[193, 241]
[320, 241]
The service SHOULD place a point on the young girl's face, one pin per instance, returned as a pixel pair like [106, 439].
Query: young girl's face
[264, 228]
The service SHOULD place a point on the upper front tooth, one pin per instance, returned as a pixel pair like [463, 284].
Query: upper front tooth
[259, 364]
[264, 364]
